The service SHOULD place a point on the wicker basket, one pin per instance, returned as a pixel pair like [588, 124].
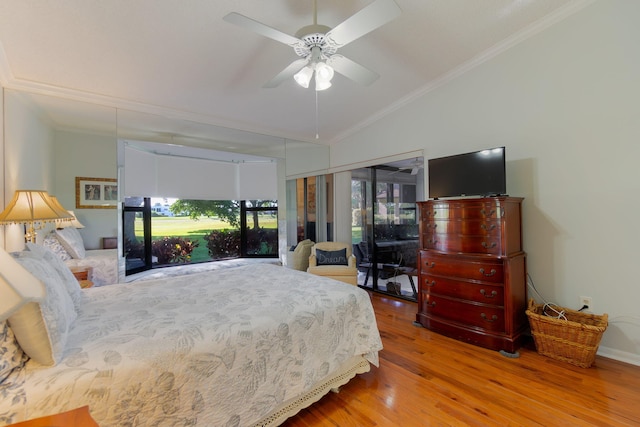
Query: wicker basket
[574, 340]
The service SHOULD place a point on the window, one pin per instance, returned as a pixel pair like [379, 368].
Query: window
[163, 232]
[259, 232]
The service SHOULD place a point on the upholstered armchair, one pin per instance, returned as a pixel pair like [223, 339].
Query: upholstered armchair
[298, 259]
[334, 260]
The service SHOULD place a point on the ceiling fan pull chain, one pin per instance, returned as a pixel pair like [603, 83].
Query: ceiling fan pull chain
[317, 133]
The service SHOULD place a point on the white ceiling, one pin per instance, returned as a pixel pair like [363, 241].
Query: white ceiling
[180, 59]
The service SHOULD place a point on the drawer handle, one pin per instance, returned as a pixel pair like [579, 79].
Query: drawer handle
[489, 228]
[432, 283]
[431, 304]
[433, 241]
[491, 273]
[488, 245]
[491, 212]
[484, 293]
[433, 264]
[432, 225]
[484, 317]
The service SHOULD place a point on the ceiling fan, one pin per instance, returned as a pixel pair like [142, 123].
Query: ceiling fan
[414, 166]
[317, 45]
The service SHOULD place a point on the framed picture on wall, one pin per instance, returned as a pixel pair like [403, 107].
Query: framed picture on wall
[96, 193]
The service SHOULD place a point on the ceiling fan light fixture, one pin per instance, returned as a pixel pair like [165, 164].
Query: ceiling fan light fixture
[324, 74]
[303, 77]
[324, 71]
[322, 84]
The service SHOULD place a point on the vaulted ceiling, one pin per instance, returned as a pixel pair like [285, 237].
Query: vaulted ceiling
[181, 59]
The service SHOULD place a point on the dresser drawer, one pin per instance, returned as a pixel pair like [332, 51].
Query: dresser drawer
[477, 292]
[487, 317]
[489, 245]
[475, 210]
[475, 227]
[467, 268]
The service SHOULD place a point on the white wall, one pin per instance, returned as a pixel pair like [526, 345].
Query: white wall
[28, 158]
[86, 155]
[566, 104]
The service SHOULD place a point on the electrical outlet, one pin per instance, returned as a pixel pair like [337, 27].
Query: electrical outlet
[586, 301]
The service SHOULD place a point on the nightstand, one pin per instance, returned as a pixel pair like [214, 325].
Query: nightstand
[79, 417]
[109, 243]
[83, 276]
[84, 284]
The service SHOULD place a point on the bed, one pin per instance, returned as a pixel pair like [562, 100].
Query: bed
[68, 245]
[242, 346]
[104, 264]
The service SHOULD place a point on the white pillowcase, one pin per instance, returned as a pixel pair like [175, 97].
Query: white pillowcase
[51, 242]
[12, 357]
[71, 240]
[42, 328]
[66, 276]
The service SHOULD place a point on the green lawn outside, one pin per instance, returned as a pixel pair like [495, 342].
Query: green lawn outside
[191, 229]
[195, 230]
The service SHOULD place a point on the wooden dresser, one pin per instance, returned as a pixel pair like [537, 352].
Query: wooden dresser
[472, 272]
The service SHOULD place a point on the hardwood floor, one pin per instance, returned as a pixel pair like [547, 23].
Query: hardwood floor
[426, 379]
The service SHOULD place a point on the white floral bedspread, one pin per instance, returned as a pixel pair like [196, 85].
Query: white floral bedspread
[207, 349]
[104, 263]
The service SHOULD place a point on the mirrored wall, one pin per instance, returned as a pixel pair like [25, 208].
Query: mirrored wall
[51, 141]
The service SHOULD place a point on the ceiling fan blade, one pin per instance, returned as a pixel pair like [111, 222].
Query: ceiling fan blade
[287, 73]
[262, 29]
[352, 70]
[366, 20]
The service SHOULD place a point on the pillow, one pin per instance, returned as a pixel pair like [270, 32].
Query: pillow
[51, 242]
[12, 357]
[66, 276]
[300, 247]
[338, 257]
[42, 328]
[71, 240]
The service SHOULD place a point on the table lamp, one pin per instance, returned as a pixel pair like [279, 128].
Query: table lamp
[30, 207]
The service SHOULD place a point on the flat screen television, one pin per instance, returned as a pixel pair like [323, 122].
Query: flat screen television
[480, 173]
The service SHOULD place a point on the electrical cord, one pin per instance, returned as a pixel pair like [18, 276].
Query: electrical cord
[549, 308]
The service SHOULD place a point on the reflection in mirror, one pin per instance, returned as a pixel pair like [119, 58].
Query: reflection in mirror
[314, 211]
[50, 141]
[385, 225]
[309, 215]
[140, 126]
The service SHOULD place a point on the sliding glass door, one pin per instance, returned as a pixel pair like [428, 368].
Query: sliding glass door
[385, 228]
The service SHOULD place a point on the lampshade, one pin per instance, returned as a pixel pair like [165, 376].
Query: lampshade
[303, 77]
[73, 222]
[65, 216]
[324, 74]
[322, 84]
[17, 286]
[30, 206]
